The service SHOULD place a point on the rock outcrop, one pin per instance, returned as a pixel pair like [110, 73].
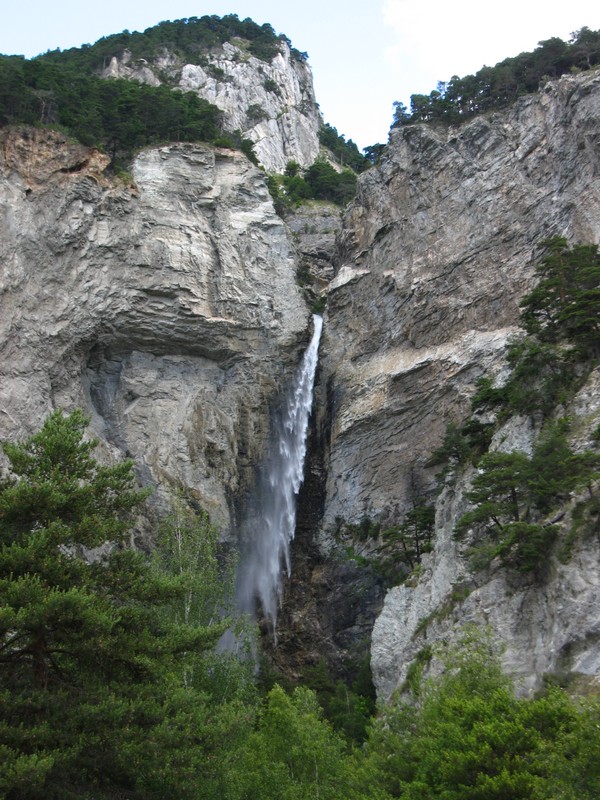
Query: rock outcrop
[315, 227]
[166, 306]
[434, 257]
[544, 627]
[272, 104]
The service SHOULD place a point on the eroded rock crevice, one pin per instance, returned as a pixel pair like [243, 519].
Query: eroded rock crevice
[169, 309]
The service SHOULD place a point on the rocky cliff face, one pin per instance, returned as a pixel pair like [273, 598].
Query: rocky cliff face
[434, 256]
[272, 104]
[166, 307]
[544, 627]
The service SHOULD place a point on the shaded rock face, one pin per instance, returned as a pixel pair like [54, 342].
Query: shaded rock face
[434, 257]
[167, 309]
[329, 604]
[273, 104]
[315, 227]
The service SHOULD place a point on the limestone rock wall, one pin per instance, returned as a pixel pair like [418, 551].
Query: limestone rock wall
[434, 256]
[166, 307]
[273, 104]
[545, 626]
[433, 259]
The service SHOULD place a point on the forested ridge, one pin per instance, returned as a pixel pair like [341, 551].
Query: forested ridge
[489, 88]
[110, 686]
[64, 88]
[188, 39]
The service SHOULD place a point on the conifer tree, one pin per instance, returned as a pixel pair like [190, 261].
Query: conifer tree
[91, 695]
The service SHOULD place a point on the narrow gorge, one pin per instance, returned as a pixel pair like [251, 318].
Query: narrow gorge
[172, 304]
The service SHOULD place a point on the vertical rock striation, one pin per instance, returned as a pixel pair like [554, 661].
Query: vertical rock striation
[434, 257]
[272, 104]
[167, 307]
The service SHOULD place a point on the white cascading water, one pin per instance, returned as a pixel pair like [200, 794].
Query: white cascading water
[274, 523]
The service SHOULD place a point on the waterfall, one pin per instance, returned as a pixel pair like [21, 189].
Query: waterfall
[269, 534]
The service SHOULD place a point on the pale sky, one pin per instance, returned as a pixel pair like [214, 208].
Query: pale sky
[363, 56]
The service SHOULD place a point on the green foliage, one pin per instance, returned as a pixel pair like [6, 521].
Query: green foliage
[462, 444]
[292, 168]
[454, 449]
[392, 552]
[293, 754]
[550, 364]
[525, 546]
[495, 87]
[499, 490]
[63, 88]
[256, 113]
[413, 536]
[561, 318]
[319, 304]
[469, 738]
[272, 86]
[566, 302]
[117, 115]
[109, 688]
[585, 522]
[543, 376]
[556, 470]
[414, 673]
[374, 152]
[512, 491]
[91, 701]
[487, 395]
[401, 114]
[345, 152]
[58, 484]
[328, 184]
[319, 182]
[511, 488]
[217, 72]
[187, 38]
[189, 548]
[347, 705]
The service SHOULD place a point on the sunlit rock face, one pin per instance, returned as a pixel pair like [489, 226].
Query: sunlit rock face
[166, 306]
[271, 103]
[433, 259]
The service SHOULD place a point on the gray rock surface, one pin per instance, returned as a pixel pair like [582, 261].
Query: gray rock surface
[315, 226]
[541, 627]
[273, 104]
[435, 254]
[166, 305]
[167, 308]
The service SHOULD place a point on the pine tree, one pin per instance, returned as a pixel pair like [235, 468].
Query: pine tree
[566, 302]
[91, 695]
